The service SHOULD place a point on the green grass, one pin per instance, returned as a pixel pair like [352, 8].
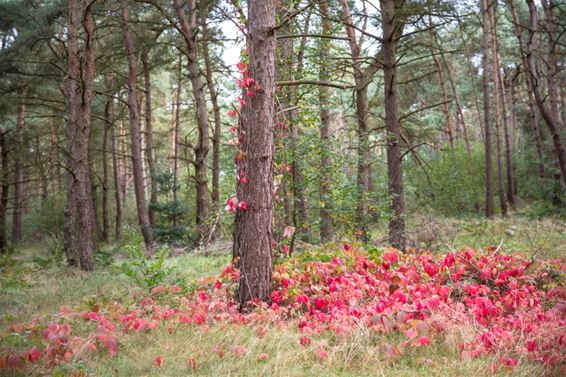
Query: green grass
[517, 234]
[29, 290]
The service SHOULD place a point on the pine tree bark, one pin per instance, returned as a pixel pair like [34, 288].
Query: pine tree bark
[17, 210]
[135, 134]
[4, 186]
[253, 227]
[149, 139]
[119, 216]
[397, 236]
[217, 118]
[109, 117]
[326, 230]
[486, 67]
[43, 189]
[175, 136]
[188, 31]
[78, 228]
[498, 106]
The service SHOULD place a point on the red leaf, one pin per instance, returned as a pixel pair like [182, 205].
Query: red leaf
[192, 363]
[34, 354]
[158, 361]
[305, 341]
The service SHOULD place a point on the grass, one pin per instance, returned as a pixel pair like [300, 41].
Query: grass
[29, 289]
[517, 234]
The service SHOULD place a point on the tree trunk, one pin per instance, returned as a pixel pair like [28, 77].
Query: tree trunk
[119, 220]
[489, 212]
[301, 209]
[19, 172]
[149, 140]
[79, 236]
[472, 75]
[93, 194]
[110, 117]
[397, 236]
[552, 73]
[135, 135]
[188, 31]
[326, 231]
[253, 233]
[363, 128]
[217, 119]
[441, 85]
[459, 111]
[43, 189]
[550, 117]
[498, 106]
[176, 126]
[5, 186]
[55, 155]
[531, 102]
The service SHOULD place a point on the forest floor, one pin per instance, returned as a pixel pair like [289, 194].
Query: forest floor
[36, 291]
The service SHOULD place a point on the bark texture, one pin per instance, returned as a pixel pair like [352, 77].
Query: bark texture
[188, 30]
[253, 228]
[149, 139]
[486, 67]
[17, 211]
[5, 186]
[325, 141]
[135, 135]
[397, 235]
[79, 230]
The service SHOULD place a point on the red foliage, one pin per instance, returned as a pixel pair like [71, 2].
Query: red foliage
[516, 309]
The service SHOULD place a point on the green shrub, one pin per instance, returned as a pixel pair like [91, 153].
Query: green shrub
[147, 272]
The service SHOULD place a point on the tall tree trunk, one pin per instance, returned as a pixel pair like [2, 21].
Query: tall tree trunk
[552, 73]
[217, 119]
[175, 136]
[507, 125]
[119, 219]
[110, 118]
[486, 67]
[498, 106]
[550, 116]
[501, 97]
[472, 75]
[19, 171]
[55, 155]
[149, 139]
[325, 142]
[43, 181]
[79, 236]
[188, 31]
[93, 194]
[534, 115]
[397, 236]
[441, 85]
[459, 111]
[253, 233]
[5, 186]
[135, 135]
[363, 128]
[301, 208]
